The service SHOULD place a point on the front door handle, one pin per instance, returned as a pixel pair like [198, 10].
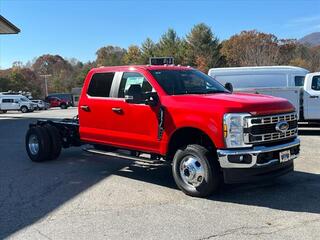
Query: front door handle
[85, 108]
[314, 96]
[117, 110]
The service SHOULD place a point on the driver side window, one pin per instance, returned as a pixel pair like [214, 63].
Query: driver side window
[316, 83]
[130, 81]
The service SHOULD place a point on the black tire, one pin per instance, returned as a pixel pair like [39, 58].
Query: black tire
[205, 163]
[3, 111]
[24, 109]
[63, 106]
[44, 144]
[55, 141]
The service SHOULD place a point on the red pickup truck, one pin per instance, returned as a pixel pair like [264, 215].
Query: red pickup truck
[57, 102]
[180, 116]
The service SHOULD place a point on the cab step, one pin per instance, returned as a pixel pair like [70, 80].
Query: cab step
[144, 158]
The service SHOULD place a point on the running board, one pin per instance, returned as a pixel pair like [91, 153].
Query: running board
[125, 156]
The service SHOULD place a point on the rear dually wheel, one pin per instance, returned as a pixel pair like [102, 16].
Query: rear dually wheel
[38, 144]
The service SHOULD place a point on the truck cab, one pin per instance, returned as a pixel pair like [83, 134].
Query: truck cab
[311, 96]
[183, 117]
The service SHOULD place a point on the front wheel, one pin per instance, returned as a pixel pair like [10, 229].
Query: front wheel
[196, 171]
[63, 106]
[24, 109]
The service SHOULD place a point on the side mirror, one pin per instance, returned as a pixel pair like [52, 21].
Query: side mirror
[134, 94]
[151, 99]
[229, 87]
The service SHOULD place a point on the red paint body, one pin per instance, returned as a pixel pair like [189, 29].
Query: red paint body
[137, 126]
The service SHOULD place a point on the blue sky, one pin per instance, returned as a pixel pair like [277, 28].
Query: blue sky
[77, 29]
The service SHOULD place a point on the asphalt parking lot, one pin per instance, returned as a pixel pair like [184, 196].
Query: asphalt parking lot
[84, 196]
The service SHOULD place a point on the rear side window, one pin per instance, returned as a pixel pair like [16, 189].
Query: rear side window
[299, 81]
[100, 84]
[316, 83]
[132, 78]
[6, 100]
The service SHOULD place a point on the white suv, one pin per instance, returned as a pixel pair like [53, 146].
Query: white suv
[16, 103]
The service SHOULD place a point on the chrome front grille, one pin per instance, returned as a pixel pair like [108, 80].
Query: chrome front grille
[272, 119]
[263, 128]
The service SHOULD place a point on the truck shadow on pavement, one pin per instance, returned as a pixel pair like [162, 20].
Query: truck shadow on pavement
[308, 132]
[30, 192]
[311, 129]
[296, 191]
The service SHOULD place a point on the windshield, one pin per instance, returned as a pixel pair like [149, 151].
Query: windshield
[24, 99]
[176, 82]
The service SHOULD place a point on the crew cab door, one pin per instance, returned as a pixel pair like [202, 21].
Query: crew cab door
[98, 121]
[140, 125]
[311, 98]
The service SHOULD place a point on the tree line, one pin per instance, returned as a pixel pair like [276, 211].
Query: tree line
[200, 48]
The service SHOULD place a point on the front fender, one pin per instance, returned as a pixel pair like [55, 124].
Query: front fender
[208, 126]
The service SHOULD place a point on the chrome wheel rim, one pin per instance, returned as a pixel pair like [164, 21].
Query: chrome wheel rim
[191, 171]
[33, 144]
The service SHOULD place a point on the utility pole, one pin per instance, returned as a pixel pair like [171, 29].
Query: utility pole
[46, 83]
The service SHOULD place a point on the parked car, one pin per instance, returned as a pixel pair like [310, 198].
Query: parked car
[179, 115]
[67, 97]
[296, 84]
[16, 103]
[57, 102]
[41, 105]
[47, 105]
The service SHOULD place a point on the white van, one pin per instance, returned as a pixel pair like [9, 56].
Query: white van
[293, 83]
[16, 103]
[260, 77]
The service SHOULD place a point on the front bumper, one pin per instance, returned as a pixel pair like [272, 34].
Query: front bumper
[257, 161]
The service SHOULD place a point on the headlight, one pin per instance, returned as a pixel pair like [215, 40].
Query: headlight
[233, 129]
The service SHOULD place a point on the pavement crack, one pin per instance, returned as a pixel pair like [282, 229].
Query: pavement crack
[258, 231]
[43, 235]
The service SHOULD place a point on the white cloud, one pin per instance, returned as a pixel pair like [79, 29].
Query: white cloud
[304, 21]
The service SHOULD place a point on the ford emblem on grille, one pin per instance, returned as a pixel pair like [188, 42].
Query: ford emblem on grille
[282, 126]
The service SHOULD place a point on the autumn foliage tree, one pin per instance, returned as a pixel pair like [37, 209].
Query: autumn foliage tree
[133, 55]
[110, 56]
[251, 48]
[61, 71]
[20, 79]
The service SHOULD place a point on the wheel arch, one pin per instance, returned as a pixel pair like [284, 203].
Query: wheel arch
[188, 135]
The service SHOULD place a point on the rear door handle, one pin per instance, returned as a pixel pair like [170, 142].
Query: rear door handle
[85, 108]
[117, 110]
[314, 96]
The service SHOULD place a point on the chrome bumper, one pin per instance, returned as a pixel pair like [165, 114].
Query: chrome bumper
[254, 152]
